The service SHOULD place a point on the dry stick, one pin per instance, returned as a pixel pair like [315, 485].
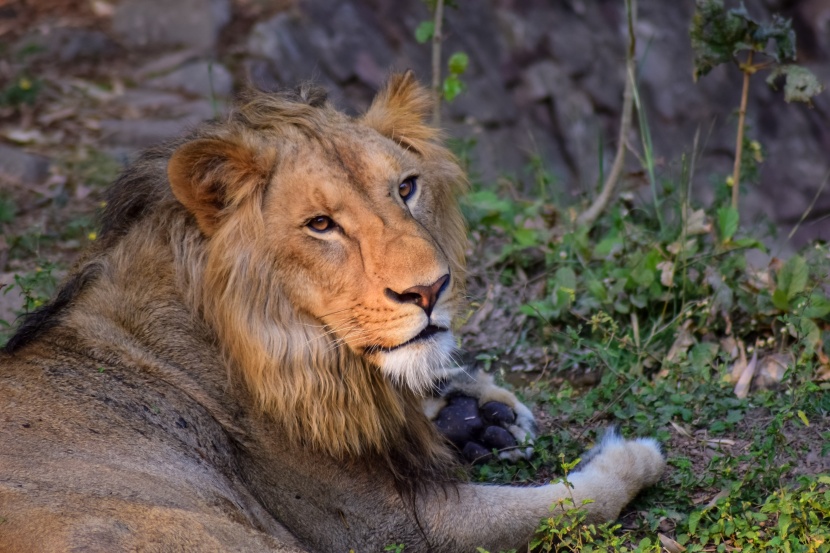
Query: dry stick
[587, 217]
[436, 61]
[739, 147]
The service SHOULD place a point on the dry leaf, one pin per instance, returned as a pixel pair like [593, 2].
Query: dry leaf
[716, 443]
[21, 136]
[682, 343]
[729, 347]
[102, 9]
[670, 545]
[680, 430]
[740, 365]
[760, 279]
[698, 223]
[676, 247]
[666, 273]
[721, 494]
[742, 387]
[771, 370]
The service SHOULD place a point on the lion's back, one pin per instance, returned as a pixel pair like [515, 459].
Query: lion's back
[97, 457]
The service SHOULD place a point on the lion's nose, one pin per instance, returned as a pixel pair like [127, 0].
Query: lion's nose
[423, 296]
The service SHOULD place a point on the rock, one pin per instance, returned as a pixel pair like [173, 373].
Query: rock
[144, 99]
[156, 24]
[335, 42]
[22, 167]
[200, 78]
[165, 63]
[141, 133]
[65, 45]
[282, 50]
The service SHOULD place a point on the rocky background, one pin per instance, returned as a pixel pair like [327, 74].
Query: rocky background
[545, 79]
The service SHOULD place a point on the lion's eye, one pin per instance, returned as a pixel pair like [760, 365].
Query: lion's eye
[407, 188]
[321, 223]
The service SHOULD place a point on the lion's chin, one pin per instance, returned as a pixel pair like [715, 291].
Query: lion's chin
[416, 365]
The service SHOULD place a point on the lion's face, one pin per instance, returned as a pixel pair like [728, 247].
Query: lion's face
[352, 229]
[353, 221]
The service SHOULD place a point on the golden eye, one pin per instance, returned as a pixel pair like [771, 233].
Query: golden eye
[321, 223]
[407, 188]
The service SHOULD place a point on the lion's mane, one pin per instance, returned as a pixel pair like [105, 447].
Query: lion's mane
[322, 394]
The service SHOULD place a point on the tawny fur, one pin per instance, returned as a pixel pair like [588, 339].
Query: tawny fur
[215, 375]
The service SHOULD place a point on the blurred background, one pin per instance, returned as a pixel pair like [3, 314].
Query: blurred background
[86, 84]
[544, 83]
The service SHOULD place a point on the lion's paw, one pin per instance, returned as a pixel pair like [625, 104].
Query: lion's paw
[478, 417]
[639, 462]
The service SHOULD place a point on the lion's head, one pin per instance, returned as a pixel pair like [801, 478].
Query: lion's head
[332, 258]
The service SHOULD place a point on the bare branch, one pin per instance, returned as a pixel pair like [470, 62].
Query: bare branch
[436, 61]
[590, 215]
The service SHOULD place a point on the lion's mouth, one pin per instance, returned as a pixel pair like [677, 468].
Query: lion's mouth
[429, 331]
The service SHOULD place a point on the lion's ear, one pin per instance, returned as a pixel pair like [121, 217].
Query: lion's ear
[400, 109]
[210, 175]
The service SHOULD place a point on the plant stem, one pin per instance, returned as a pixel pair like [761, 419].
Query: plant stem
[739, 147]
[436, 61]
[587, 217]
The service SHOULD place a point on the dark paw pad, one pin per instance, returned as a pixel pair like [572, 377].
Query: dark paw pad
[474, 430]
[498, 413]
[496, 437]
[476, 453]
[459, 421]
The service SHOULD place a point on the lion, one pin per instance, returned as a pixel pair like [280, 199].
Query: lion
[241, 361]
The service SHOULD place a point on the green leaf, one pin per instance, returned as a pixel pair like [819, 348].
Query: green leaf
[818, 306]
[525, 237]
[694, 519]
[565, 278]
[702, 354]
[458, 63]
[784, 521]
[792, 278]
[452, 87]
[749, 243]
[727, 222]
[8, 210]
[800, 83]
[597, 289]
[780, 301]
[810, 333]
[608, 246]
[718, 35]
[424, 31]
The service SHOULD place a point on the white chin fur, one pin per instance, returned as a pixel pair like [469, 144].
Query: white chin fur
[417, 365]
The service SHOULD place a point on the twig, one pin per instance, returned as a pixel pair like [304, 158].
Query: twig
[436, 61]
[809, 207]
[739, 147]
[590, 215]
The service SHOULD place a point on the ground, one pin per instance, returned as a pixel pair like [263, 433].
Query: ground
[587, 326]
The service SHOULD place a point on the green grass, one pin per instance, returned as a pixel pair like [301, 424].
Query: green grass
[656, 306]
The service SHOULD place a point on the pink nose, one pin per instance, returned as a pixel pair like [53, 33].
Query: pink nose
[423, 296]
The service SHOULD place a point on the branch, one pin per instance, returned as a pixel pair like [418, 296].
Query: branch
[739, 147]
[590, 215]
[436, 61]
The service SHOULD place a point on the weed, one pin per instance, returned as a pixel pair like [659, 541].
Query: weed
[36, 287]
[720, 36]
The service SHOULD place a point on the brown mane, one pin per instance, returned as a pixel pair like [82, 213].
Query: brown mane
[322, 394]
